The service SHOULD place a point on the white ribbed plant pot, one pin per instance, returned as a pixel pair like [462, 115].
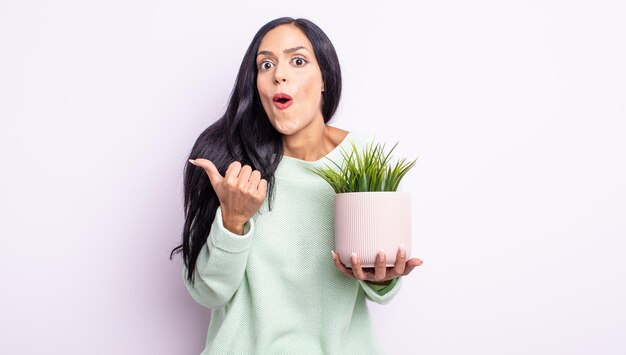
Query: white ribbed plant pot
[366, 222]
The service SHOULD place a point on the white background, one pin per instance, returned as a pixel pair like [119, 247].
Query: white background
[516, 109]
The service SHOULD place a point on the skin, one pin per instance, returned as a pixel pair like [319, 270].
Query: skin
[287, 64]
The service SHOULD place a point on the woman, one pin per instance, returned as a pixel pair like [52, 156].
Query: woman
[258, 232]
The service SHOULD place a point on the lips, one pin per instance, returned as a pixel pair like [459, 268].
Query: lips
[282, 100]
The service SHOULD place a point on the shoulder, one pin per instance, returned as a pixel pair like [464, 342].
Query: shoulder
[338, 136]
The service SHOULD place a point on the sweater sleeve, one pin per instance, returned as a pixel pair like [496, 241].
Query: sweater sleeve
[221, 264]
[381, 294]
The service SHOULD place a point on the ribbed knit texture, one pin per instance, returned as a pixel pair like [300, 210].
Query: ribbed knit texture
[275, 290]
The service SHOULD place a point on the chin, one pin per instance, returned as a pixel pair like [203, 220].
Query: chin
[286, 130]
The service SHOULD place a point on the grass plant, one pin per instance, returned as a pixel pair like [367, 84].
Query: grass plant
[365, 171]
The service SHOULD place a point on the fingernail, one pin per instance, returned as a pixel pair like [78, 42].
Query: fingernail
[353, 256]
[192, 161]
[402, 251]
[332, 252]
[381, 254]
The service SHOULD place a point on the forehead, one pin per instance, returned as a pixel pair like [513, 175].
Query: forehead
[283, 37]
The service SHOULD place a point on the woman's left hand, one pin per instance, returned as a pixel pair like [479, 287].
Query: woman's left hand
[380, 273]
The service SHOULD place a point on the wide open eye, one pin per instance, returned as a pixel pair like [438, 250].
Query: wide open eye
[266, 65]
[299, 61]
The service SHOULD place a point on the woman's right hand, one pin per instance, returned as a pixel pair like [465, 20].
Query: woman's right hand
[241, 192]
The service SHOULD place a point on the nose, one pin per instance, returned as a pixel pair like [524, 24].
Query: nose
[280, 75]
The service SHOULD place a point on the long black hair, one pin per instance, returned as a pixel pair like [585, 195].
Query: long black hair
[245, 134]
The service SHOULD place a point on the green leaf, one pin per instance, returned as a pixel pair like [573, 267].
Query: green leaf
[369, 169]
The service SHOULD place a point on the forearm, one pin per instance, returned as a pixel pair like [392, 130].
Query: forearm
[221, 264]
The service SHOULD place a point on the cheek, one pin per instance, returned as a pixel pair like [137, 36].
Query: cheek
[261, 89]
[313, 87]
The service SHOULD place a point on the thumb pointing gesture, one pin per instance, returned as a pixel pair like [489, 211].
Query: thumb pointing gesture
[241, 192]
[214, 175]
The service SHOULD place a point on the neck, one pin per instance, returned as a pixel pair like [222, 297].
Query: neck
[313, 144]
[307, 145]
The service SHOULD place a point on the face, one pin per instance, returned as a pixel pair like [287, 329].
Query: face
[289, 80]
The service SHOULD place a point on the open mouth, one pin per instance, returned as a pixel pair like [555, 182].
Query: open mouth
[282, 100]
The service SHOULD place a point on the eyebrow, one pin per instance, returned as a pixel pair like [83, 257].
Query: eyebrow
[288, 50]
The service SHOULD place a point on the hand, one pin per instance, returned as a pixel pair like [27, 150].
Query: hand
[380, 273]
[241, 192]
